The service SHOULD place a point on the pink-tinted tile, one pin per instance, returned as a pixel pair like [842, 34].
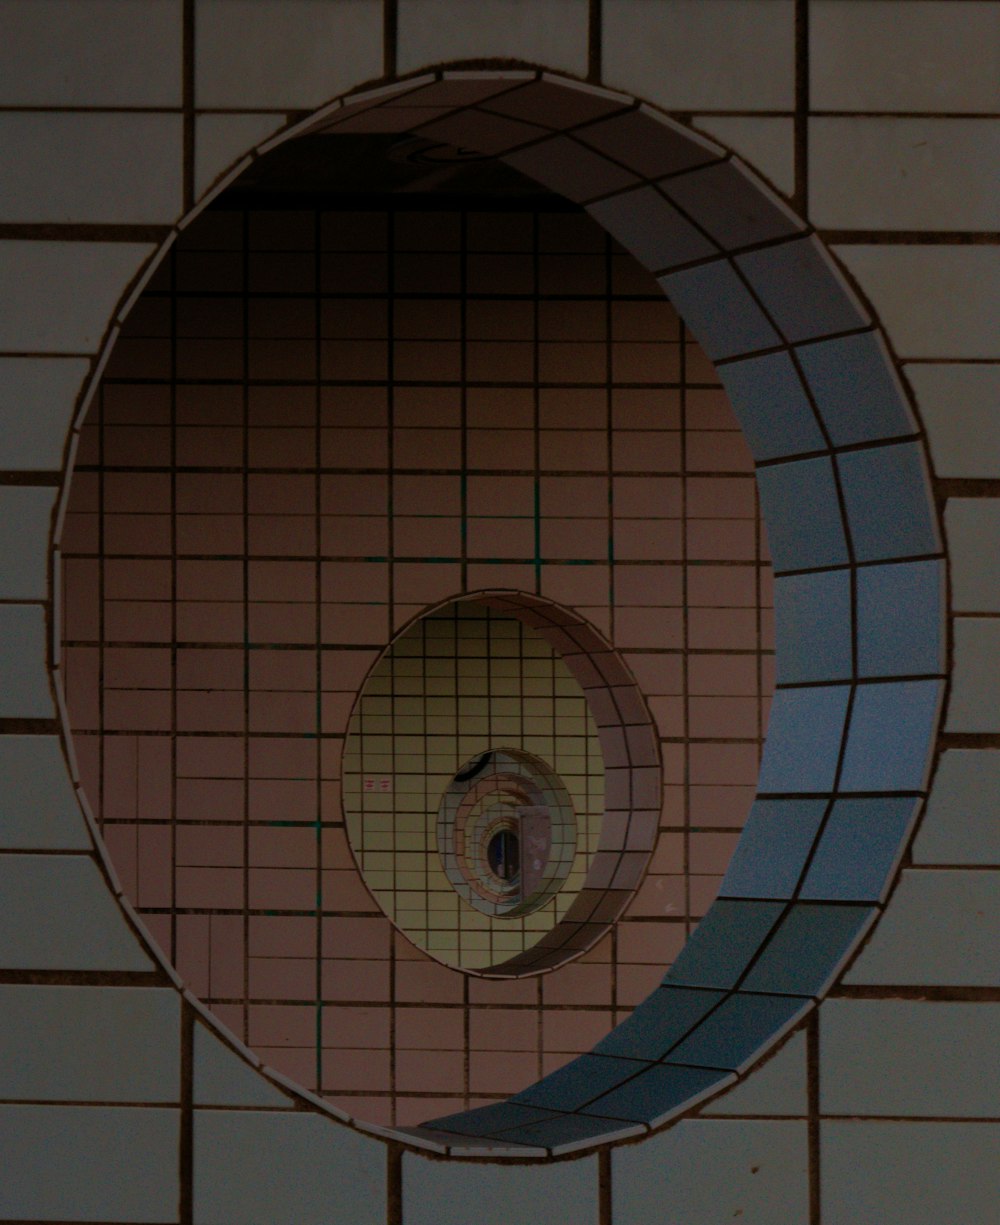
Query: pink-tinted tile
[281, 757]
[345, 937]
[503, 450]
[718, 539]
[427, 982]
[501, 1072]
[430, 1029]
[282, 978]
[501, 538]
[573, 450]
[354, 623]
[210, 888]
[209, 846]
[652, 628]
[427, 495]
[358, 1027]
[430, 1071]
[226, 964]
[192, 953]
[732, 675]
[439, 536]
[717, 451]
[490, 408]
[279, 1025]
[153, 867]
[647, 496]
[574, 1030]
[357, 1070]
[723, 717]
[650, 943]
[652, 451]
[734, 764]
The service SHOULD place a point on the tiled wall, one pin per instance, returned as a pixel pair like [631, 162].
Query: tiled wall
[883, 1107]
[283, 465]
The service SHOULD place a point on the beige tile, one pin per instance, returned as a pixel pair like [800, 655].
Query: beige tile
[935, 301]
[551, 33]
[25, 524]
[221, 140]
[96, 167]
[937, 55]
[904, 174]
[960, 406]
[133, 53]
[65, 292]
[972, 526]
[766, 143]
[284, 53]
[689, 55]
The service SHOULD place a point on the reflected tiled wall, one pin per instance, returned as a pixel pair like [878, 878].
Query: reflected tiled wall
[314, 425]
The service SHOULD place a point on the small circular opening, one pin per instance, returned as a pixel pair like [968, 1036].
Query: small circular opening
[503, 854]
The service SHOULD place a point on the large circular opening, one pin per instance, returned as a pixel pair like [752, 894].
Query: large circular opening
[320, 422]
[783, 328]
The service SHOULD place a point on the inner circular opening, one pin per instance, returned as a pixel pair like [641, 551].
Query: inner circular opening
[503, 854]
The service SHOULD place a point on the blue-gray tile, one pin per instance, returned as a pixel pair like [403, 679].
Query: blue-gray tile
[90, 1163]
[856, 389]
[659, 1022]
[960, 824]
[651, 228]
[802, 290]
[24, 679]
[890, 737]
[488, 1120]
[804, 736]
[653, 1095]
[813, 627]
[86, 931]
[909, 1173]
[773, 848]
[38, 805]
[889, 505]
[939, 929]
[734, 210]
[460, 1192]
[278, 1165]
[805, 528]
[768, 398]
[572, 1086]
[86, 1044]
[901, 611]
[808, 949]
[710, 1171]
[724, 942]
[862, 843]
[720, 310]
[565, 1132]
[732, 1036]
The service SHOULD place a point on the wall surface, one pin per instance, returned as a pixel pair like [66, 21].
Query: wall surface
[118, 1100]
